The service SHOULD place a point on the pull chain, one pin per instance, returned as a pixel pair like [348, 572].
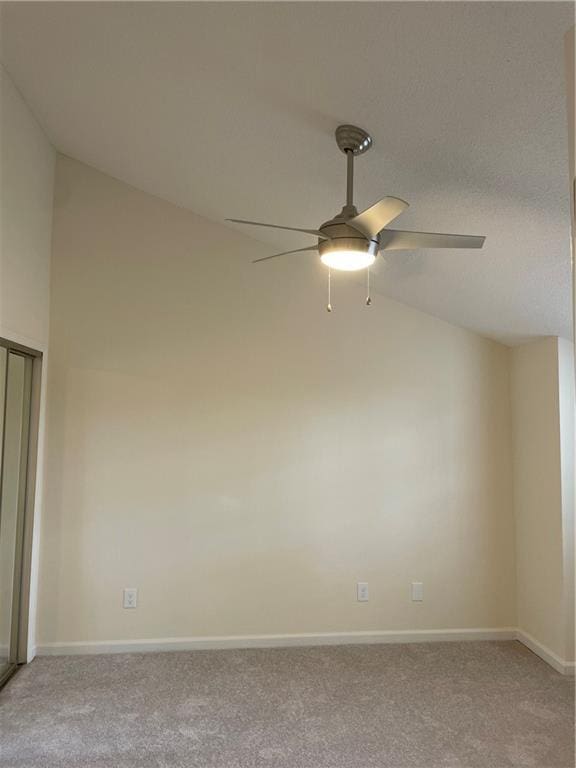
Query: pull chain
[368, 299]
[329, 306]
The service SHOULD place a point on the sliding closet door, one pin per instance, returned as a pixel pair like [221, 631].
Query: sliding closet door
[4, 556]
[15, 400]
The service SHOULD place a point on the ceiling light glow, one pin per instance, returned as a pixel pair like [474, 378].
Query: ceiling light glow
[347, 260]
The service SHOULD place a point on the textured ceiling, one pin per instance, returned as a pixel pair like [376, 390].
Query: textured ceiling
[229, 110]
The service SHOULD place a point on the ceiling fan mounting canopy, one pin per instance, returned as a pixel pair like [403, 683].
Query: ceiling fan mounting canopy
[350, 138]
[352, 240]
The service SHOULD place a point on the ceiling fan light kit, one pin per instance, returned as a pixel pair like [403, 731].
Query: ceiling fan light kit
[351, 241]
[347, 260]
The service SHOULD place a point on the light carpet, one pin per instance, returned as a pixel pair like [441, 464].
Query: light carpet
[461, 705]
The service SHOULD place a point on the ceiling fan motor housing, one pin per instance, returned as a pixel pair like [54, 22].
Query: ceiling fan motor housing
[344, 237]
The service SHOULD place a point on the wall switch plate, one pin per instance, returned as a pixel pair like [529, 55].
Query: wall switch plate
[417, 591]
[362, 591]
[130, 597]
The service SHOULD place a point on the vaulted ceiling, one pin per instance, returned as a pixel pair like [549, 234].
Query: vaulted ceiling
[229, 109]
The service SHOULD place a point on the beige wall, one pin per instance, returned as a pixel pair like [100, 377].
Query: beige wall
[26, 188]
[26, 192]
[242, 457]
[543, 433]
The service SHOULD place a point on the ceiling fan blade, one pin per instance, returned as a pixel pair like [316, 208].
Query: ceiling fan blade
[285, 253]
[396, 239]
[374, 219]
[315, 232]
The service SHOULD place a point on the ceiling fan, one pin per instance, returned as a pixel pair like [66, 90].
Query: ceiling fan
[352, 240]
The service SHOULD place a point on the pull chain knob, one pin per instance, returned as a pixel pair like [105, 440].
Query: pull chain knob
[368, 298]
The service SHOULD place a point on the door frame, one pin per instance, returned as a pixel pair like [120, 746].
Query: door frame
[18, 653]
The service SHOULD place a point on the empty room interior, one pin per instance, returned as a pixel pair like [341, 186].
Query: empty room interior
[286, 384]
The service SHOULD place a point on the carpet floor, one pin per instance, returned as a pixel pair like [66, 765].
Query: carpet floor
[460, 705]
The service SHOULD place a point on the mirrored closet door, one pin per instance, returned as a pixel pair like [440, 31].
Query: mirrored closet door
[18, 368]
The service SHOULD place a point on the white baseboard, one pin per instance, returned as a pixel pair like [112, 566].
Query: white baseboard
[273, 641]
[559, 664]
[303, 640]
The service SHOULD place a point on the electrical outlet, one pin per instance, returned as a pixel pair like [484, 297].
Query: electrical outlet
[417, 591]
[130, 597]
[362, 591]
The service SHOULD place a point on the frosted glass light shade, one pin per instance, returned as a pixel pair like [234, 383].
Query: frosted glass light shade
[347, 261]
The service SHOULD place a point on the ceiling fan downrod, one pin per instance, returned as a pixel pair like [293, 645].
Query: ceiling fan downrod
[349, 179]
[352, 141]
